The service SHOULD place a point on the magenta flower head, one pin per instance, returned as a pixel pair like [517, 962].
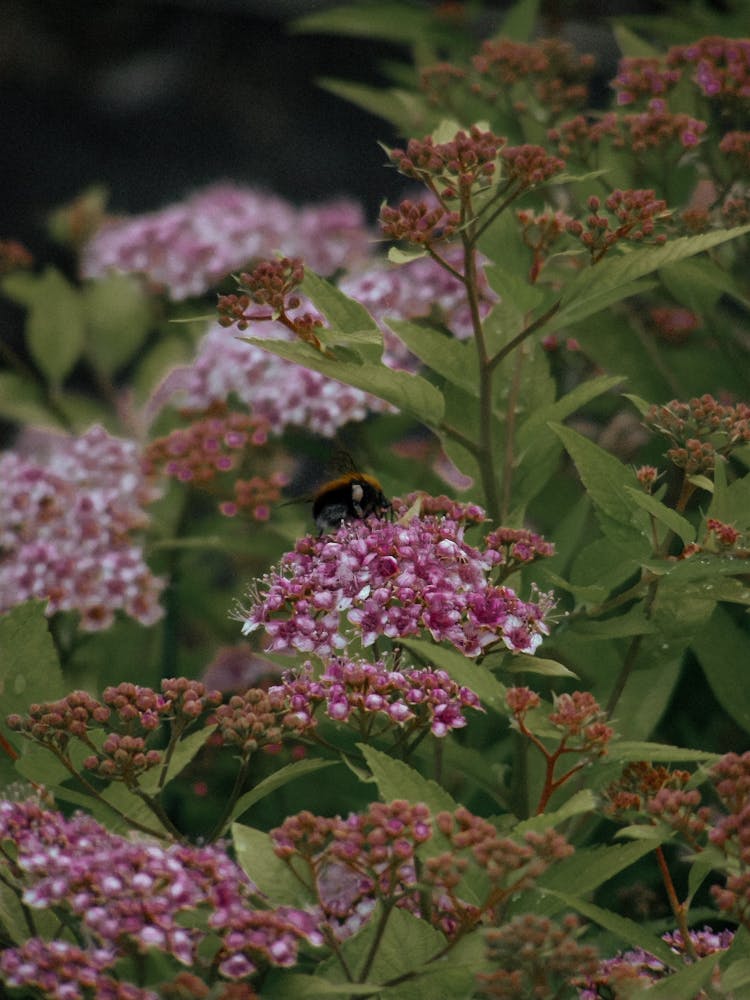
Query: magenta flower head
[380, 578]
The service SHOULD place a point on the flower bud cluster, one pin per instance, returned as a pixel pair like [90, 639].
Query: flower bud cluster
[630, 215]
[451, 170]
[128, 897]
[516, 547]
[535, 958]
[540, 231]
[420, 699]
[528, 166]
[206, 447]
[66, 526]
[674, 324]
[418, 222]
[657, 127]
[351, 862]
[699, 430]
[378, 578]
[731, 834]
[557, 75]
[721, 67]
[725, 534]
[256, 719]
[128, 713]
[579, 719]
[187, 248]
[736, 147]
[579, 136]
[640, 77]
[215, 445]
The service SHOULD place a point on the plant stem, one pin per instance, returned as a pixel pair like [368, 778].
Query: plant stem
[678, 908]
[632, 653]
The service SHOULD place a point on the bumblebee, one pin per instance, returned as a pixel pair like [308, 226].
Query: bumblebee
[352, 496]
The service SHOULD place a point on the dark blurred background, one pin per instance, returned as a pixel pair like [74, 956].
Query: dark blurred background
[158, 97]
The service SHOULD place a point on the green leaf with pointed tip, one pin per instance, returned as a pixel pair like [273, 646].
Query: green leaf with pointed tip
[29, 665]
[632, 45]
[524, 663]
[343, 313]
[605, 479]
[617, 277]
[55, 326]
[285, 774]
[666, 515]
[409, 393]
[401, 107]
[396, 780]
[589, 868]
[624, 751]
[628, 931]
[274, 878]
[454, 360]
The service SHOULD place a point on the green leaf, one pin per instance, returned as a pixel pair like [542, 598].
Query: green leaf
[396, 780]
[521, 20]
[296, 986]
[633, 622]
[401, 107]
[605, 479]
[389, 22]
[409, 393]
[297, 769]
[29, 666]
[581, 802]
[723, 649]
[55, 326]
[183, 753]
[666, 515]
[525, 663]
[23, 401]
[632, 45]
[624, 751]
[343, 313]
[452, 359]
[591, 867]
[617, 277]
[118, 317]
[628, 931]
[274, 878]
[688, 981]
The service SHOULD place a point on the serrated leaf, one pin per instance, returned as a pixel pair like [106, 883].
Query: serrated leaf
[624, 751]
[396, 780]
[617, 277]
[581, 802]
[183, 753]
[408, 393]
[605, 479]
[29, 665]
[666, 515]
[344, 313]
[591, 867]
[290, 772]
[256, 857]
[452, 359]
[55, 326]
[632, 934]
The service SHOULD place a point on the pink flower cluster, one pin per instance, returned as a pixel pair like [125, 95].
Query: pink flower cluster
[129, 895]
[188, 247]
[421, 699]
[65, 530]
[377, 578]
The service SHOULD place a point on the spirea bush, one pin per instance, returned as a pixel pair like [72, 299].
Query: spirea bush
[486, 734]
